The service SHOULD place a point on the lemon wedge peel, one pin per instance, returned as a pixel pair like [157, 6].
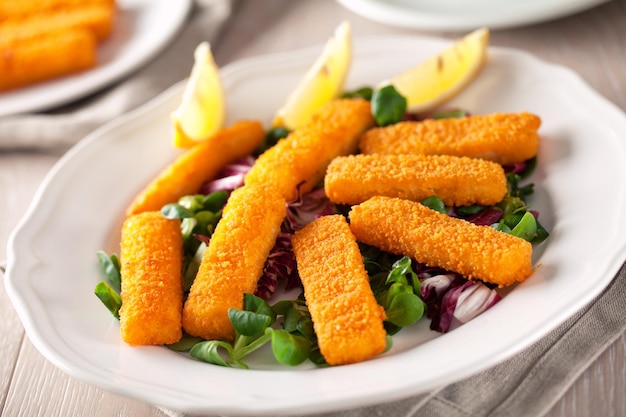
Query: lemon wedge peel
[441, 77]
[202, 110]
[323, 82]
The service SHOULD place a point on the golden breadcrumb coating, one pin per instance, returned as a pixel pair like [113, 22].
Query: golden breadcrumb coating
[408, 228]
[346, 317]
[54, 55]
[504, 138]
[188, 172]
[96, 18]
[10, 9]
[302, 157]
[233, 262]
[152, 288]
[458, 181]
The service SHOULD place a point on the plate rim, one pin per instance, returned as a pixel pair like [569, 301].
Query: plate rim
[413, 18]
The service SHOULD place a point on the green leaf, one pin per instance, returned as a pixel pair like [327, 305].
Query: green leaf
[405, 309]
[109, 297]
[216, 352]
[435, 203]
[187, 226]
[175, 211]
[542, 233]
[501, 227]
[526, 228]
[185, 343]
[465, 211]
[257, 305]
[363, 92]
[271, 138]
[111, 267]
[290, 349]
[215, 201]
[192, 203]
[193, 266]
[248, 323]
[402, 272]
[207, 220]
[388, 106]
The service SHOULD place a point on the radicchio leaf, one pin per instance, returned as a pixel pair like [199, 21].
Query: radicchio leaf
[306, 208]
[230, 177]
[452, 300]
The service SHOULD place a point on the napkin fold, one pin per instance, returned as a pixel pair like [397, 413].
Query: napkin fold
[529, 383]
[65, 126]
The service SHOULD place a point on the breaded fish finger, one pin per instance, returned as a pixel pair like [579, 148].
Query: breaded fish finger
[152, 288]
[63, 52]
[16, 9]
[504, 138]
[96, 18]
[408, 228]
[346, 317]
[233, 261]
[304, 155]
[187, 173]
[458, 181]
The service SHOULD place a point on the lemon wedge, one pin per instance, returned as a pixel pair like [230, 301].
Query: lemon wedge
[444, 75]
[323, 81]
[201, 112]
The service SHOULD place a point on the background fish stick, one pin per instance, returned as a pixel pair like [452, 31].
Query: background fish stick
[501, 137]
[96, 18]
[347, 320]
[152, 289]
[62, 52]
[12, 9]
[302, 157]
[411, 229]
[458, 181]
[233, 262]
[202, 162]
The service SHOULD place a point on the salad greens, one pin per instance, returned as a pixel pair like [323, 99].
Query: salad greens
[404, 288]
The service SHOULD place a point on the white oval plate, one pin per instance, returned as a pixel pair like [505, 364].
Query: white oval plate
[142, 29]
[465, 15]
[580, 192]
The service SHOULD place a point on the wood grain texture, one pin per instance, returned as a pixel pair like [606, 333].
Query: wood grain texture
[591, 43]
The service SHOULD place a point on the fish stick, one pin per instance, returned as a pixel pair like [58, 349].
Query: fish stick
[98, 19]
[201, 163]
[347, 319]
[302, 157]
[458, 181]
[233, 261]
[152, 289]
[408, 228]
[504, 138]
[63, 53]
[11, 9]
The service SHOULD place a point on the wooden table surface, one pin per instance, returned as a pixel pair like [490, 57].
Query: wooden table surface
[591, 43]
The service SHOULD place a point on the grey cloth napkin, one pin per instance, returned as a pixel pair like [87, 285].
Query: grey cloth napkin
[63, 127]
[527, 384]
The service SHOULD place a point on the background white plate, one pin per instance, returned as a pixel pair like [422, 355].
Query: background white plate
[465, 14]
[142, 28]
[580, 192]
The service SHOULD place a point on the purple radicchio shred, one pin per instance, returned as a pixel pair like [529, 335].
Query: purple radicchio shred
[486, 217]
[515, 168]
[306, 208]
[452, 300]
[280, 265]
[230, 177]
[281, 262]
